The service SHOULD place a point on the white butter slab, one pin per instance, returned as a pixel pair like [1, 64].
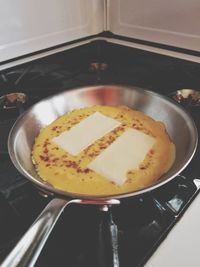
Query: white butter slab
[85, 133]
[124, 154]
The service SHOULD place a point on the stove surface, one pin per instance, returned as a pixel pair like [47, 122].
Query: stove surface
[86, 235]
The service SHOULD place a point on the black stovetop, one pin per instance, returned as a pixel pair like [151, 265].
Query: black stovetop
[85, 235]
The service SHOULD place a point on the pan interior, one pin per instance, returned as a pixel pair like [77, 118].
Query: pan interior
[179, 125]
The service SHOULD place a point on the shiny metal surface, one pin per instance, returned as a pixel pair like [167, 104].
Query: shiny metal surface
[179, 124]
[29, 247]
[12, 100]
[187, 97]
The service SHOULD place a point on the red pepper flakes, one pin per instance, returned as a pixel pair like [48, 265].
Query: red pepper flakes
[70, 163]
[45, 151]
[143, 167]
[55, 159]
[92, 154]
[44, 158]
[110, 142]
[121, 128]
[74, 165]
[103, 146]
[79, 170]
[54, 128]
[46, 143]
[151, 151]
[115, 131]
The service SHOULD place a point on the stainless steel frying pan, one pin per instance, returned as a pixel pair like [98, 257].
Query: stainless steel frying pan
[179, 124]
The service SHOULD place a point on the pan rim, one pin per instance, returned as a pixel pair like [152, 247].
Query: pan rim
[64, 194]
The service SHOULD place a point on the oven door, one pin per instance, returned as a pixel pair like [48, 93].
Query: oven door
[174, 23]
[32, 26]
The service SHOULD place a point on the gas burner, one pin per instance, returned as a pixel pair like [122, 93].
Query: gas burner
[12, 100]
[97, 66]
[139, 224]
[11, 106]
[187, 97]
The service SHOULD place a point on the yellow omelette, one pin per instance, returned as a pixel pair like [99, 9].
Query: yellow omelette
[71, 174]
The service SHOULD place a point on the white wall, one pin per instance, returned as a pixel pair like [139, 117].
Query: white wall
[172, 22]
[27, 26]
[30, 25]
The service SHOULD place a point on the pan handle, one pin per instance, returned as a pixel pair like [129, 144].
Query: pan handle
[29, 247]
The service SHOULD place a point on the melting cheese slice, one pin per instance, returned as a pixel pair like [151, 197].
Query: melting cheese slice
[85, 133]
[124, 154]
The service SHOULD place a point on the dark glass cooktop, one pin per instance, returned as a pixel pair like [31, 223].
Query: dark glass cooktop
[86, 235]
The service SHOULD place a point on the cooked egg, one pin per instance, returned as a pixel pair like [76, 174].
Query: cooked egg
[72, 172]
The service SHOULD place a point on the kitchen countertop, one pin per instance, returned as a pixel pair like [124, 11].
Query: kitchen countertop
[181, 246]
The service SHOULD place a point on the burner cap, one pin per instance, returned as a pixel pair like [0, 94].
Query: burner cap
[12, 100]
[98, 66]
[187, 97]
